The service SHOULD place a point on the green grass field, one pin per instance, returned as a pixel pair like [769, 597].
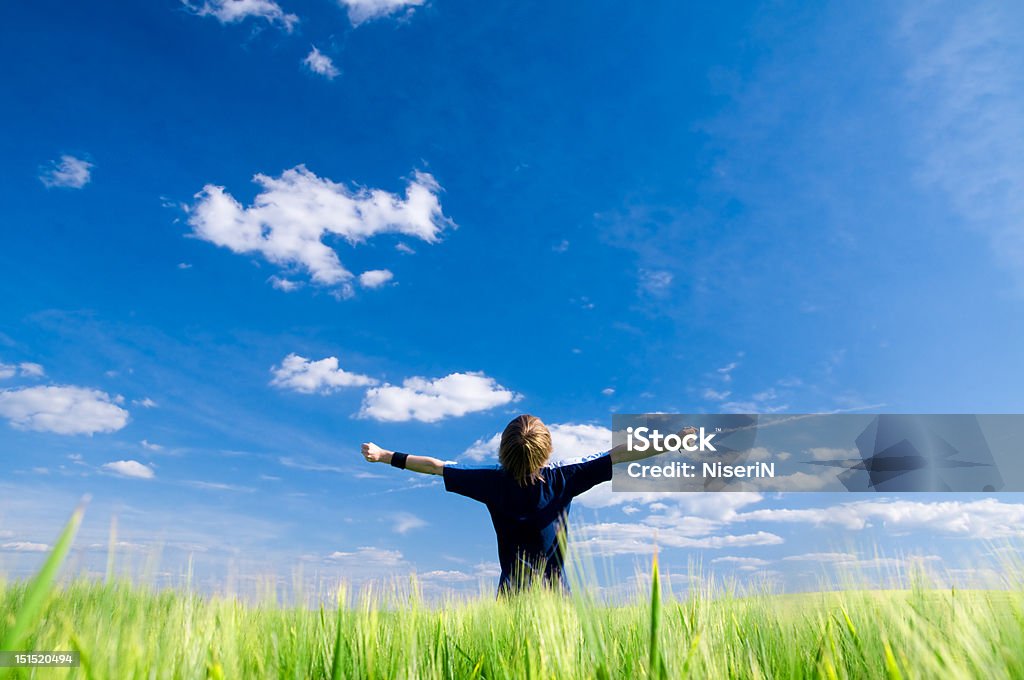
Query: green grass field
[124, 631]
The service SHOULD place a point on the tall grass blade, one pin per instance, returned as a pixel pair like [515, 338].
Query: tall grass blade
[339, 640]
[655, 664]
[111, 549]
[39, 589]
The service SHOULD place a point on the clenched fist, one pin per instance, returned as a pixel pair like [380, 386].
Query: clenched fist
[375, 454]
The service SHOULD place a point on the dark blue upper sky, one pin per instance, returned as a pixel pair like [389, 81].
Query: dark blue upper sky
[640, 207]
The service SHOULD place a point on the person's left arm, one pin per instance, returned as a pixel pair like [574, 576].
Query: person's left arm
[422, 464]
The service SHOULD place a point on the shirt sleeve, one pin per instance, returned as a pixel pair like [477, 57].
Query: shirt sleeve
[589, 472]
[468, 482]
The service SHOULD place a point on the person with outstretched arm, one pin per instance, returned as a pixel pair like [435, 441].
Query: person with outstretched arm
[527, 496]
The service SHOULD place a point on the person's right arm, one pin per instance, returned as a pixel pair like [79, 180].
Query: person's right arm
[620, 454]
[422, 464]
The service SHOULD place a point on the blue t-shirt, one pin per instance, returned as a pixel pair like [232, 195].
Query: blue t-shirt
[527, 519]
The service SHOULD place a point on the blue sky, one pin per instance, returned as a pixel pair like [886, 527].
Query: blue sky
[241, 237]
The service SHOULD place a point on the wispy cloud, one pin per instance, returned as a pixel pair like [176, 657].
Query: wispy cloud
[725, 372]
[965, 86]
[655, 281]
[24, 546]
[311, 466]
[742, 563]
[284, 284]
[368, 562]
[621, 539]
[404, 522]
[31, 370]
[68, 171]
[25, 369]
[218, 486]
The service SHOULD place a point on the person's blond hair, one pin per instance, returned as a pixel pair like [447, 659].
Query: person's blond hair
[525, 449]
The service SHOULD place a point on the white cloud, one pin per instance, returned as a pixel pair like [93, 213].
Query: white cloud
[619, 539]
[812, 516]
[119, 546]
[62, 409]
[145, 402]
[375, 278]
[988, 518]
[798, 481]
[283, 284]
[24, 546]
[233, 11]
[70, 172]
[404, 522]
[30, 370]
[719, 506]
[318, 62]
[303, 375]
[821, 557]
[483, 570]
[742, 563]
[129, 468]
[695, 521]
[364, 10]
[150, 446]
[852, 562]
[184, 265]
[569, 440]
[447, 576]
[483, 449]
[404, 249]
[714, 395]
[432, 400]
[293, 213]
[369, 558]
[608, 391]
[7, 371]
[830, 453]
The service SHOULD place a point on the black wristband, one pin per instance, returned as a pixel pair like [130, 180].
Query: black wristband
[398, 459]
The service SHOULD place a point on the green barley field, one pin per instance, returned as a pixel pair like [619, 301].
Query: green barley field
[124, 631]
